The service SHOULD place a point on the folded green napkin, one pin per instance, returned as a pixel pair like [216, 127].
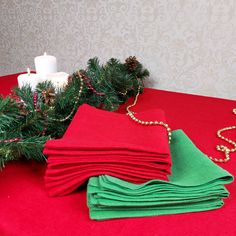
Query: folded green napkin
[196, 184]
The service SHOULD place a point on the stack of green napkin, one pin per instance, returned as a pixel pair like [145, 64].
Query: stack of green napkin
[196, 184]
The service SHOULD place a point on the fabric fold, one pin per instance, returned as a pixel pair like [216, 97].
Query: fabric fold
[196, 184]
[99, 142]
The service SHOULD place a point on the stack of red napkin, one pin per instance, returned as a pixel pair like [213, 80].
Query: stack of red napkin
[101, 142]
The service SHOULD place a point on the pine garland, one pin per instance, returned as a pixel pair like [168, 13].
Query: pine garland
[29, 118]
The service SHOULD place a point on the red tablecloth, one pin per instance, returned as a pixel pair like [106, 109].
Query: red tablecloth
[27, 210]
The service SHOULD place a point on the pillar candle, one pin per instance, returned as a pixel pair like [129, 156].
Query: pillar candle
[45, 65]
[28, 78]
[59, 79]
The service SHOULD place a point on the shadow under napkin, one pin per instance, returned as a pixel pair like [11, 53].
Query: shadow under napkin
[196, 184]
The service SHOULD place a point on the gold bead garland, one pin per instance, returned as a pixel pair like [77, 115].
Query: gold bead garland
[220, 148]
[142, 122]
[76, 101]
[223, 148]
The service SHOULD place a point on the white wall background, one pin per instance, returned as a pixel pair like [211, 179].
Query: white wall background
[188, 45]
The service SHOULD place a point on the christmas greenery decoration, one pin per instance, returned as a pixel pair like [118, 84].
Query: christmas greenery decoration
[29, 118]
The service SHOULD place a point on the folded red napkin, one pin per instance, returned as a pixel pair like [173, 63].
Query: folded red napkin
[101, 142]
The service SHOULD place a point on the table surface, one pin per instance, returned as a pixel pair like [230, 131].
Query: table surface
[26, 208]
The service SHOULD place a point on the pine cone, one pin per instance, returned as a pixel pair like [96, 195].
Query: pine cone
[49, 96]
[22, 108]
[131, 63]
[82, 74]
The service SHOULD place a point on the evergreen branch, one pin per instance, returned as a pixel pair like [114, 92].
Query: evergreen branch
[24, 123]
[30, 148]
[26, 95]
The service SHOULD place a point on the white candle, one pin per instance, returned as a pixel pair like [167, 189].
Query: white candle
[28, 78]
[59, 79]
[45, 65]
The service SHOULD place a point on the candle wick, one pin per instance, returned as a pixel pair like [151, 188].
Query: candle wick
[28, 71]
[45, 54]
